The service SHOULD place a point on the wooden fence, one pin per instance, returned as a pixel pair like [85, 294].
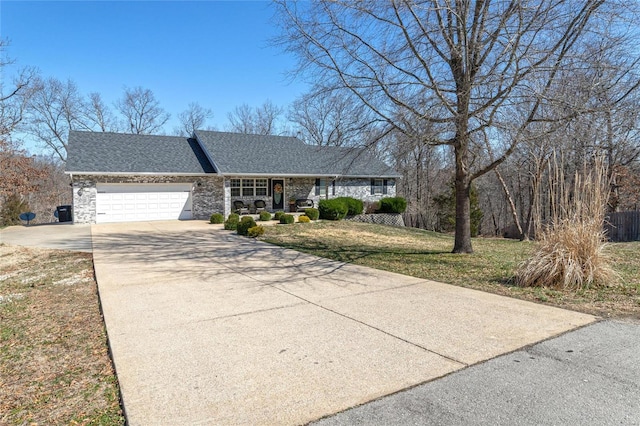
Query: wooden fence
[623, 226]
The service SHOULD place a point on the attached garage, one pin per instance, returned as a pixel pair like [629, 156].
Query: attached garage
[143, 202]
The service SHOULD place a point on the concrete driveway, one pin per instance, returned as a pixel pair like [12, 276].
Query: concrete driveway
[207, 327]
[61, 236]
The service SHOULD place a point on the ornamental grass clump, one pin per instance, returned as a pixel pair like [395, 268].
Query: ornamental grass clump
[569, 249]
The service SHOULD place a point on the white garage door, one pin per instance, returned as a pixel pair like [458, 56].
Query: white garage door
[142, 202]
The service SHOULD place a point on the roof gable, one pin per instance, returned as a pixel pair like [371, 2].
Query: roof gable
[97, 152]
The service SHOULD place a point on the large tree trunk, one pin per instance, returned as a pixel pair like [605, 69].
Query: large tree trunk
[462, 243]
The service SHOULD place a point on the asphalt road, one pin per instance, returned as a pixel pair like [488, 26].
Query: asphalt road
[590, 376]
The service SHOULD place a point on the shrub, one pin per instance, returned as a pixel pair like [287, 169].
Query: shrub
[334, 209]
[278, 215]
[11, 210]
[216, 218]
[354, 205]
[256, 231]
[312, 213]
[287, 219]
[244, 225]
[265, 216]
[304, 219]
[393, 205]
[231, 223]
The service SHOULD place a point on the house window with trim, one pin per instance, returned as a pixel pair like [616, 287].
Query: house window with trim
[378, 186]
[249, 187]
[235, 187]
[261, 187]
[322, 187]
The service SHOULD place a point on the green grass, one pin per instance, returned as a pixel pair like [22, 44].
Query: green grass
[490, 268]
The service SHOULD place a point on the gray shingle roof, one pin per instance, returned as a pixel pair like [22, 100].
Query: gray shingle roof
[221, 152]
[93, 152]
[234, 153]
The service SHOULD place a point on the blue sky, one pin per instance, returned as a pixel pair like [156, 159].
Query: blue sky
[216, 53]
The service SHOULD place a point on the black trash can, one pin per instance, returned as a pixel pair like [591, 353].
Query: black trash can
[64, 213]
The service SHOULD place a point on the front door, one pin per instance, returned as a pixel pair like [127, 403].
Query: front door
[277, 189]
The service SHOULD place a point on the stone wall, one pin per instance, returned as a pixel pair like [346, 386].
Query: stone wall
[390, 219]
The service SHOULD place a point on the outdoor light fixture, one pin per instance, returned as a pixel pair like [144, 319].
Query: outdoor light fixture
[80, 191]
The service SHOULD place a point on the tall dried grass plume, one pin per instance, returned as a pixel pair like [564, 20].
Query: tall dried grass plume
[569, 247]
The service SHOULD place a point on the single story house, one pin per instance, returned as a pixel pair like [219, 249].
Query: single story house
[125, 177]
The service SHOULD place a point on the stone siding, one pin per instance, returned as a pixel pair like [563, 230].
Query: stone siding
[356, 188]
[212, 194]
[361, 189]
[84, 199]
[207, 195]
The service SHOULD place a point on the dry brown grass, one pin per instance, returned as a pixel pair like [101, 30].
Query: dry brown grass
[54, 363]
[569, 250]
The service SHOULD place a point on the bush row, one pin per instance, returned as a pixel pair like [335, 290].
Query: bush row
[332, 209]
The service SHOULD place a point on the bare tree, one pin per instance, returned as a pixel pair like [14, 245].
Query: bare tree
[55, 108]
[14, 98]
[262, 120]
[193, 118]
[462, 66]
[98, 116]
[329, 118]
[141, 111]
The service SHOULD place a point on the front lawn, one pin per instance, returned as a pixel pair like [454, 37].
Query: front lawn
[55, 367]
[491, 268]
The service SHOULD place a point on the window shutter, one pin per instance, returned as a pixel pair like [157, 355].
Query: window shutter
[333, 187]
[269, 188]
[373, 187]
[384, 186]
[317, 186]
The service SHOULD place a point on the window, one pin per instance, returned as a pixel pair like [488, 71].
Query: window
[322, 187]
[261, 187]
[249, 187]
[378, 186]
[235, 187]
